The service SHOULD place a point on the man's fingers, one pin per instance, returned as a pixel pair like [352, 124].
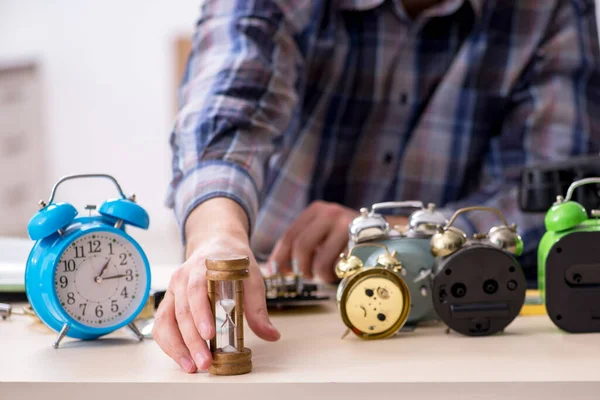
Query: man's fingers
[308, 241]
[189, 332]
[327, 255]
[281, 255]
[197, 294]
[166, 334]
[255, 305]
[282, 252]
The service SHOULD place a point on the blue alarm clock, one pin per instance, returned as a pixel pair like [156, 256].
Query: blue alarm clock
[85, 276]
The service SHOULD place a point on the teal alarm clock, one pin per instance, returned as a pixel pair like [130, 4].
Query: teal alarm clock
[85, 276]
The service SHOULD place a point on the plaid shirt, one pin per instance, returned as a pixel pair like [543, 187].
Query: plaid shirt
[288, 101]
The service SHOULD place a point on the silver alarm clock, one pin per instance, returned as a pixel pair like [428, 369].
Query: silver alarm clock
[409, 244]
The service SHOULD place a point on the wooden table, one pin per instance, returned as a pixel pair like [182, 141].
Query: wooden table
[532, 359]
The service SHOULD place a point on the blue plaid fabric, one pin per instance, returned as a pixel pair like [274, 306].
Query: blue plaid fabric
[289, 101]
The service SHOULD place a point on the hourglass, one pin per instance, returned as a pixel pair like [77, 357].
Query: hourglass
[225, 277]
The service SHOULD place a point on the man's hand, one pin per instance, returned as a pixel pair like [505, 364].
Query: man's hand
[315, 240]
[184, 320]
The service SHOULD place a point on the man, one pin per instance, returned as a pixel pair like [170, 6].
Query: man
[295, 113]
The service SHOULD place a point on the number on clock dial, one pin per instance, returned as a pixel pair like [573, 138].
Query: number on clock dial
[100, 279]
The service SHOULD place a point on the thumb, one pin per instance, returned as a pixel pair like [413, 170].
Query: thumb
[255, 304]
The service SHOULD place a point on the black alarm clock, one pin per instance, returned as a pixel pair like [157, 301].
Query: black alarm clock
[478, 287]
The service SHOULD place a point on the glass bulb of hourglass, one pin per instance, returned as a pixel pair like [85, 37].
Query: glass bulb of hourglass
[228, 305]
[228, 326]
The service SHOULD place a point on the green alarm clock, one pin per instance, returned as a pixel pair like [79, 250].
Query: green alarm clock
[569, 263]
[85, 276]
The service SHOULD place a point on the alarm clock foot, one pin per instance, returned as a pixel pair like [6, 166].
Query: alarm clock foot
[61, 335]
[345, 333]
[447, 331]
[135, 331]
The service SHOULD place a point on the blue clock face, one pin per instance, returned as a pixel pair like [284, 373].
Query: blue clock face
[100, 279]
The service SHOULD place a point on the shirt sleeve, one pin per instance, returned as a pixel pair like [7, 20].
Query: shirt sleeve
[553, 114]
[236, 100]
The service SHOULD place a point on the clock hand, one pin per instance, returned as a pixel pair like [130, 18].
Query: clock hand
[98, 278]
[114, 277]
[104, 267]
[365, 311]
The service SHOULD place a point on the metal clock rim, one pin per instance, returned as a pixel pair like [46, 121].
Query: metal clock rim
[352, 280]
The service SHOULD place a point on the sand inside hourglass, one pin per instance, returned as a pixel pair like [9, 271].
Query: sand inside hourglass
[228, 326]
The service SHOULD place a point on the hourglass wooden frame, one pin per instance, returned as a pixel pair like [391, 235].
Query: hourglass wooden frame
[232, 270]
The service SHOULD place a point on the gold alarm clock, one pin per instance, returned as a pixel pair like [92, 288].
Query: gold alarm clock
[374, 301]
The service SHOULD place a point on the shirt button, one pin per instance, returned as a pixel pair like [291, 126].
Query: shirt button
[403, 99]
[387, 158]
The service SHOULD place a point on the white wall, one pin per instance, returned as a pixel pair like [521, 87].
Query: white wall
[108, 71]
